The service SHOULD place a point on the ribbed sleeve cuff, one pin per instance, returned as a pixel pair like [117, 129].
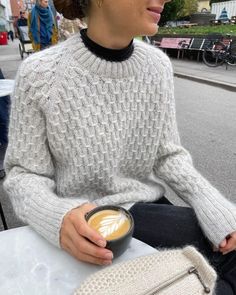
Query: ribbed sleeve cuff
[46, 218]
[35, 202]
[216, 214]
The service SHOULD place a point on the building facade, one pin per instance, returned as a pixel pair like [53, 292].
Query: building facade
[229, 7]
[16, 7]
[29, 4]
[204, 6]
[6, 22]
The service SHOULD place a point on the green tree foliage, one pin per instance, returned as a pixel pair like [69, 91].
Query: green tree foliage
[190, 7]
[178, 8]
[172, 10]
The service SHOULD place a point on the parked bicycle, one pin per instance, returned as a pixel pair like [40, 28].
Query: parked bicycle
[219, 51]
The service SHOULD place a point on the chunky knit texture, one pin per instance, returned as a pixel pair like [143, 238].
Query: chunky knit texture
[146, 274]
[84, 129]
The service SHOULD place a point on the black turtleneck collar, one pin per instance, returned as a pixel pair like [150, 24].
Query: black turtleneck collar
[107, 53]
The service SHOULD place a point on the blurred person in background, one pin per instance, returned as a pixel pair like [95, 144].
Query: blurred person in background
[68, 27]
[22, 21]
[11, 35]
[42, 26]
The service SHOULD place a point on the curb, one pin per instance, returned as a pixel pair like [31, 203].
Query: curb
[222, 85]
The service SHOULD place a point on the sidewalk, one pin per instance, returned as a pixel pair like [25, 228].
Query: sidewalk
[199, 72]
[10, 60]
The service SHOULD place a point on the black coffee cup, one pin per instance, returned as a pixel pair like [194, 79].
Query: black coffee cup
[119, 244]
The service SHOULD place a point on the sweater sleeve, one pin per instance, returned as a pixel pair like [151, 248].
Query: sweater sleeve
[29, 166]
[173, 164]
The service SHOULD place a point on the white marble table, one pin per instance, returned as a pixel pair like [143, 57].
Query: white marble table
[6, 87]
[29, 265]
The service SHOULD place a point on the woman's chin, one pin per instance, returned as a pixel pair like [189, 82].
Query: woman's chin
[151, 30]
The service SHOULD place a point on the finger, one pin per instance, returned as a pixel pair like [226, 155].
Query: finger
[85, 246]
[231, 245]
[233, 235]
[223, 243]
[93, 260]
[87, 207]
[81, 245]
[86, 231]
[77, 218]
[71, 249]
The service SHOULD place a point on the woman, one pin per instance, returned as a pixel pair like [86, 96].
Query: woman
[92, 118]
[42, 26]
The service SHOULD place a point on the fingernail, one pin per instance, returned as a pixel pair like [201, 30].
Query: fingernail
[101, 243]
[107, 262]
[108, 256]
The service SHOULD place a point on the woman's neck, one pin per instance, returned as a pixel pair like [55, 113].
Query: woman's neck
[106, 36]
[43, 7]
[115, 55]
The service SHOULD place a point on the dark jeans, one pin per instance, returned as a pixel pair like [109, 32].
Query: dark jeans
[161, 224]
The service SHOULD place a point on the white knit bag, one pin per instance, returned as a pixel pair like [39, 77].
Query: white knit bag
[167, 272]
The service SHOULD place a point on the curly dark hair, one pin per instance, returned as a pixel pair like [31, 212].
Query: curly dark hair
[72, 9]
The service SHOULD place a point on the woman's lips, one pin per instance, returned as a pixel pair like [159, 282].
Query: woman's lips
[155, 13]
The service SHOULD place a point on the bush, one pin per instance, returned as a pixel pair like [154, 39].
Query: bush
[200, 30]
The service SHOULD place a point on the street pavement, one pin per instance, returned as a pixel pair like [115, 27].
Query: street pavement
[10, 59]
[207, 125]
[222, 76]
[218, 165]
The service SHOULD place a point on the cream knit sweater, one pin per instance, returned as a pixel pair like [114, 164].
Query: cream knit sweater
[84, 129]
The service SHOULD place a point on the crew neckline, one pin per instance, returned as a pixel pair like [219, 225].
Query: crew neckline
[108, 54]
[87, 62]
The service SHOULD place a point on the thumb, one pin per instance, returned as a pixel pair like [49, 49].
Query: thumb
[223, 243]
[85, 208]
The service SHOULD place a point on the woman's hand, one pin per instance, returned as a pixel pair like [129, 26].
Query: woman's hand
[81, 241]
[228, 244]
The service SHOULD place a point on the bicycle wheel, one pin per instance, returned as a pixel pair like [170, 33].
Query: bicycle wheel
[231, 60]
[212, 58]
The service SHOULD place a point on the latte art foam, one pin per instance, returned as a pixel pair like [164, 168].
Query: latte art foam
[110, 224]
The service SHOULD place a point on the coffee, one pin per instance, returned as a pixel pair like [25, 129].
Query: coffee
[111, 224]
